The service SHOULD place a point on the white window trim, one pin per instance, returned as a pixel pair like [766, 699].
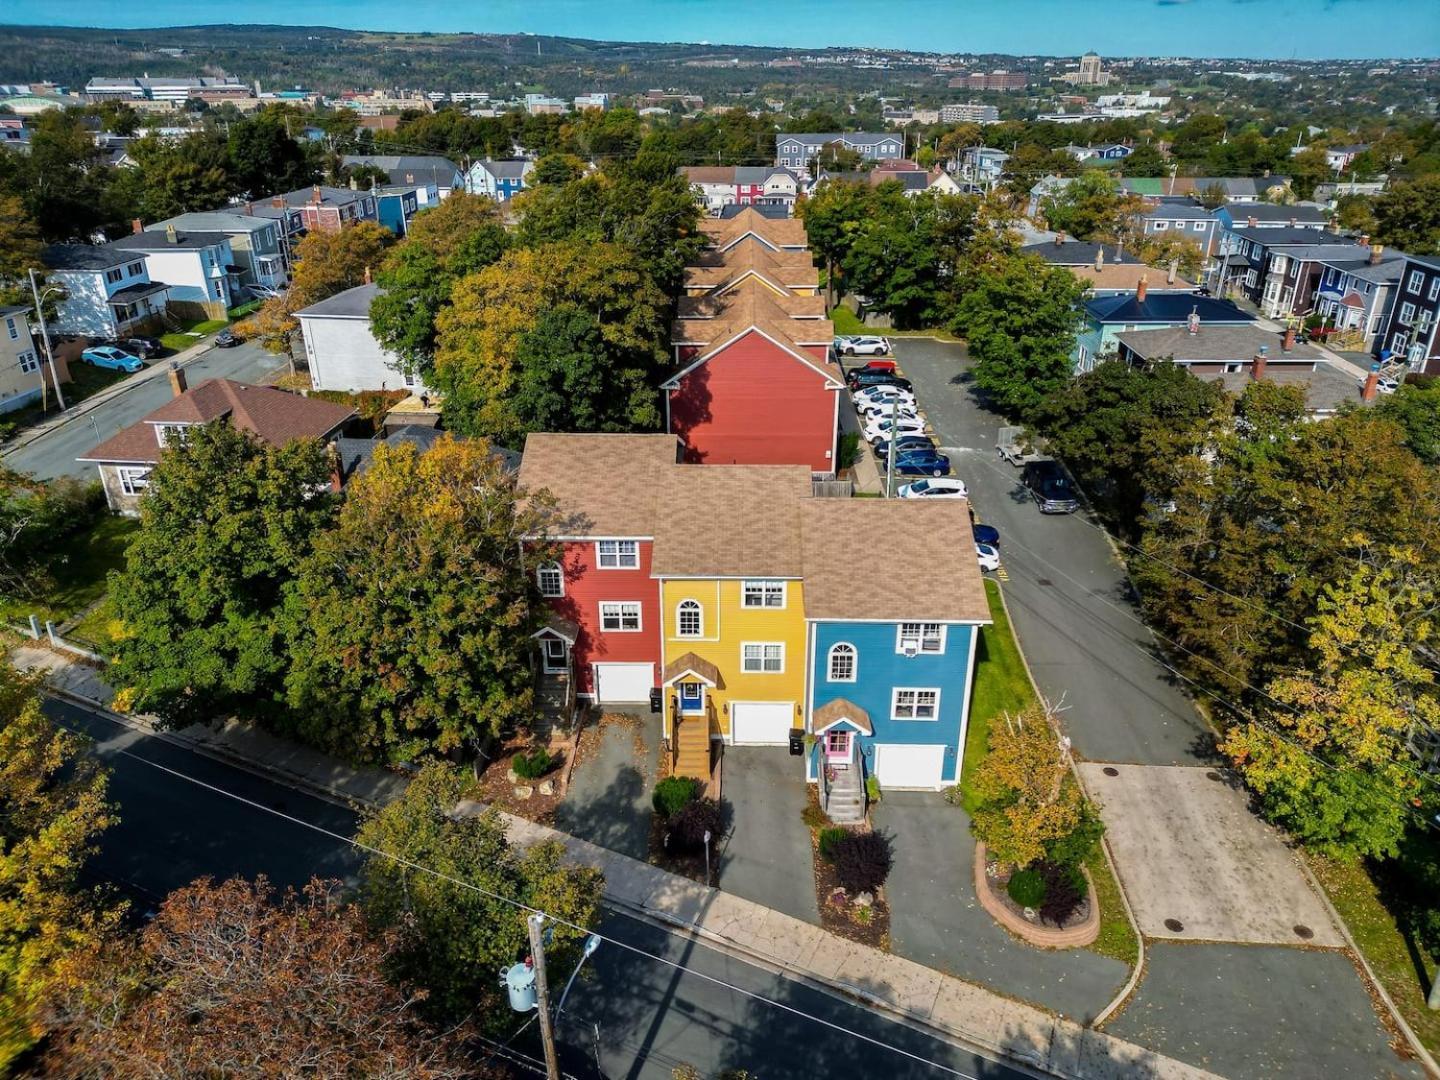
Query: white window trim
[830, 662]
[12, 328]
[699, 607]
[619, 565]
[764, 585]
[762, 646]
[134, 479]
[639, 626]
[1434, 293]
[1199, 226]
[1415, 282]
[920, 641]
[541, 571]
[917, 690]
[1407, 314]
[1162, 226]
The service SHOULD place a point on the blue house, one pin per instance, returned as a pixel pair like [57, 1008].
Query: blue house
[891, 656]
[501, 180]
[1106, 316]
[395, 206]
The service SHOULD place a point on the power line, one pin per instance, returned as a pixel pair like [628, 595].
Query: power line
[528, 909]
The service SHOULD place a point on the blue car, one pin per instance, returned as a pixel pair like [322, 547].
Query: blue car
[921, 463]
[986, 534]
[107, 356]
[904, 442]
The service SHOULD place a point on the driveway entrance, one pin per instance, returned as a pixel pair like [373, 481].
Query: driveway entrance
[766, 853]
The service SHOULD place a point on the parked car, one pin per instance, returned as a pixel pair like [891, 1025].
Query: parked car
[1383, 384]
[862, 345]
[988, 556]
[143, 347]
[875, 365]
[226, 340]
[883, 393]
[108, 356]
[986, 534]
[1050, 486]
[885, 409]
[921, 463]
[262, 292]
[947, 487]
[861, 380]
[881, 428]
[903, 442]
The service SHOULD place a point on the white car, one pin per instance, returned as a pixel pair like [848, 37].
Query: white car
[940, 487]
[988, 556]
[883, 410]
[861, 345]
[880, 428]
[883, 395]
[1383, 384]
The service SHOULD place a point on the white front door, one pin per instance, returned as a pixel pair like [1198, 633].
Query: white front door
[898, 765]
[556, 654]
[623, 682]
[761, 723]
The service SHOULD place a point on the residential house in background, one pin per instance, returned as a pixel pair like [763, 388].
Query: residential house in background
[1278, 269]
[22, 379]
[719, 186]
[273, 416]
[199, 267]
[396, 206]
[982, 164]
[108, 291]
[422, 170]
[1105, 268]
[254, 242]
[1410, 334]
[1263, 215]
[797, 151]
[1105, 317]
[914, 180]
[1230, 189]
[317, 208]
[1356, 295]
[1186, 219]
[341, 348]
[500, 180]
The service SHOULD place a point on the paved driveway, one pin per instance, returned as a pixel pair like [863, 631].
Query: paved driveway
[766, 856]
[608, 802]
[936, 920]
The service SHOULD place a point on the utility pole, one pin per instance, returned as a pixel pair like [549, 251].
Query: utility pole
[890, 458]
[535, 923]
[45, 335]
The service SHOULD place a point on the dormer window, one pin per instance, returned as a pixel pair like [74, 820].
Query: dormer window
[166, 434]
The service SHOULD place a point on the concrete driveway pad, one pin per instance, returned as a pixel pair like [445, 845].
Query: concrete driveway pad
[1197, 864]
[766, 856]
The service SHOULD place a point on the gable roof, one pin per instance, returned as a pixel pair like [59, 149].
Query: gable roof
[1163, 307]
[1326, 388]
[1109, 278]
[1079, 253]
[1214, 344]
[605, 485]
[931, 540]
[749, 304]
[1284, 236]
[214, 221]
[160, 241]
[776, 233]
[736, 521]
[421, 168]
[506, 169]
[1241, 213]
[350, 304]
[787, 269]
[838, 710]
[84, 257]
[274, 416]
[712, 305]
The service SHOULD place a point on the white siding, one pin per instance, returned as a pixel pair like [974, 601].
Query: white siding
[188, 273]
[344, 355]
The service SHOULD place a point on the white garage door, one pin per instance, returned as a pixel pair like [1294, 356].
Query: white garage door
[901, 766]
[623, 682]
[761, 723]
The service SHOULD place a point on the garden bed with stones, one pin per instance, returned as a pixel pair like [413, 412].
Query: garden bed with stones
[536, 799]
[863, 918]
[1079, 930]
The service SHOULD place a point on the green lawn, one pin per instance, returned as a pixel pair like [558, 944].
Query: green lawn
[79, 567]
[193, 334]
[846, 321]
[1396, 964]
[244, 309]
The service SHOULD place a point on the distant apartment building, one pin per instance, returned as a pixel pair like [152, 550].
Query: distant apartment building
[540, 105]
[173, 91]
[905, 117]
[592, 101]
[797, 150]
[995, 80]
[1090, 72]
[376, 102]
[969, 113]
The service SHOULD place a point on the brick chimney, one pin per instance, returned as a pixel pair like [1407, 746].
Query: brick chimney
[1364, 239]
[1376, 251]
[1174, 269]
[249, 208]
[316, 195]
[278, 202]
[1288, 342]
[1371, 387]
[1141, 288]
[367, 275]
[1099, 259]
[1192, 324]
[137, 226]
[171, 236]
[1257, 365]
[177, 379]
[1059, 238]
[354, 184]
[1252, 222]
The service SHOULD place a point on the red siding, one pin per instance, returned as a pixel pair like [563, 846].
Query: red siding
[585, 586]
[755, 404]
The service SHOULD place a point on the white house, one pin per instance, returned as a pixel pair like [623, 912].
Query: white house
[342, 350]
[254, 241]
[199, 267]
[21, 378]
[108, 291]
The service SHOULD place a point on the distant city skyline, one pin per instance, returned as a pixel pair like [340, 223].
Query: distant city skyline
[1250, 29]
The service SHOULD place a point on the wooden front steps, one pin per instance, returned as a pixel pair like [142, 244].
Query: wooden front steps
[692, 748]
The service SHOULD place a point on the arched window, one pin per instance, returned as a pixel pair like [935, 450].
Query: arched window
[689, 619]
[551, 580]
[842, 662]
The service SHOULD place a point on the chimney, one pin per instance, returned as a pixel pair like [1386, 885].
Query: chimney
[1333, 228]
[1293, 222]
[177, 379]
[137, 226]
[1376, 251]
[1364, 239]
[1257, 366]
[249, 208]
[409, 178]
[278, 202]
[1059, 238]
[354, 184]
[171, 236]
[1288, 341]
[1099, 259]
[1192, 324]
[367, 275]
[1372, 385]
[1174, 269]
[1141, 288]
[316, 195]
[1252, 221]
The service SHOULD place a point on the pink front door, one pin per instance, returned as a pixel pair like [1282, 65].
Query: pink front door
[837, 749]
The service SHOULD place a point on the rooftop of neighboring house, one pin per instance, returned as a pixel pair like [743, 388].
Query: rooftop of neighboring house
[1283, 236]
[1326, 388]
[168, 240]
[835, 136]
[1431, 262]
[215, 221]
[1234, 187]
[273, 416]
[1212, 344]
[315, 195]
[734, 210]
[407, 168]
[752, 306]
[1296, 213]
[754, 529]
[920, 537]
[350, 304]
[1063, 251]
[354, 456]
[1163, 307]
[715, 305]
[788, 268]
[1386, 269]
[909, 179]
[84, 257]
[605, 485]
[1177, 211]
[1126, 276]
[778, 232]
[508, 169]
[6, 310]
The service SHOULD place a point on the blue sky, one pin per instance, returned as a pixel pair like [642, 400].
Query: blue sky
[1255, 28]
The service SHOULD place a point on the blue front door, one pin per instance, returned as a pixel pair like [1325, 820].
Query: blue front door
[692, 698]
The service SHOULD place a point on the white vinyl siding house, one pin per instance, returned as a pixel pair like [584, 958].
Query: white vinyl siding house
[342, 350]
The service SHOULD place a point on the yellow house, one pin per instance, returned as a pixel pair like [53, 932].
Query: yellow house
[732, 603]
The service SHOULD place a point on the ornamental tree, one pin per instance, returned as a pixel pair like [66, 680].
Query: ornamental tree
[1024, 796]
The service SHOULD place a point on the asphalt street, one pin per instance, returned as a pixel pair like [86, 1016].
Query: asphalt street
[53, 454]
[183, 815]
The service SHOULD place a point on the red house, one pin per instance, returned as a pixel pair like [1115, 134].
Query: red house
[605, 632]
[755, 384]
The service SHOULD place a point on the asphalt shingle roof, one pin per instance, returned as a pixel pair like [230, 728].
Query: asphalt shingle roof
[605, 485]
[1079, 253]
[1214, 344]
[1164, 307]
[350, 304]
[84, 257]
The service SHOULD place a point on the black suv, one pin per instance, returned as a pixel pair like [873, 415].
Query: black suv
[1050, 486]
[858, 380]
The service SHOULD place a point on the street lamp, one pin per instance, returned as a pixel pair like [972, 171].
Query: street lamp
[45, 334]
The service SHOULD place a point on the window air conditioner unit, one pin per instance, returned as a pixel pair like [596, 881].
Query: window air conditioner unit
[910, 649]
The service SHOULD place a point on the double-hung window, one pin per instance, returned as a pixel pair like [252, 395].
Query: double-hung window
[763, 657]
[621, 616]
[1407, 314]
[618, 554]
[134, 479]
[1417, 278]
[910, 704]
[551, 580]
[1434, 293]
[923, 637]
[762, 594]
[13, 329]
[29, 362]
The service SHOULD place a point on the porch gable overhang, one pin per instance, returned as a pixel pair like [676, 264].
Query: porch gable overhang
[840, 711]
[694, 666]
[565, 629]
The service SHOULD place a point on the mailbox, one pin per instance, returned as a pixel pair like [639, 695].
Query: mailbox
[657, 698]
[797, 741]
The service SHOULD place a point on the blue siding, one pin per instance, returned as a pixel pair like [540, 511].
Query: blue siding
[880, 669]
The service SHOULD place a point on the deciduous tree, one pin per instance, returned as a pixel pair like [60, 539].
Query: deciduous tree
[326, 263]
[1408, 215]
[1025, 797]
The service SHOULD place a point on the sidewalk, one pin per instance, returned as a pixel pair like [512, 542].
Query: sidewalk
[909, 992]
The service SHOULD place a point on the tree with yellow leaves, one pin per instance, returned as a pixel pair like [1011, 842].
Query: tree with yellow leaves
[326, 263]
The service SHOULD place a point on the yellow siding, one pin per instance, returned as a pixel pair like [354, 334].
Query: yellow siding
[726, 626]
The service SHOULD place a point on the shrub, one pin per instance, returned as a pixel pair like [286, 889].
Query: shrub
[814, 817]
[673, 794]
[1026, 888]
[862, 861]
[1080, 843]
[1065, 891]
[828, 839]
[872, 788]
[695, 819]
[849, 449]
[533, 764]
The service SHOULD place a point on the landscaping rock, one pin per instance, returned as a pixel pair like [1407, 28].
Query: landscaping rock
[547, 787]
[524, 791]
[1031, 914]
[864, 900]
[512, 776]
